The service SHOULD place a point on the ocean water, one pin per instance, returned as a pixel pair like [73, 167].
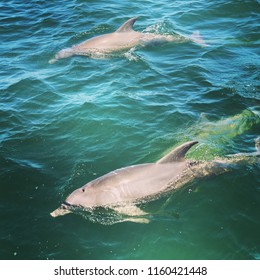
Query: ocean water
[67, 123]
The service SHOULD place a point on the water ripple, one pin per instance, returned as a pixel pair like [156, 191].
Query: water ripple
[66, 123]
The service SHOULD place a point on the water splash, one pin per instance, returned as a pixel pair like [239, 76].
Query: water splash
[215, 135]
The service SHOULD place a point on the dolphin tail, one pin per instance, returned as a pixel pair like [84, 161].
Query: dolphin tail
[197, 38]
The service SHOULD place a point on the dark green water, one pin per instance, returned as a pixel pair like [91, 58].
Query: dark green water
[67, 123]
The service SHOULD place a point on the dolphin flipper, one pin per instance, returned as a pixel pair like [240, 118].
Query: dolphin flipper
[178, 153]
[134, 212]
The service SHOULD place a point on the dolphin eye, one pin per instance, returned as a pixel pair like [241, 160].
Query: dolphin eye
[83, 190]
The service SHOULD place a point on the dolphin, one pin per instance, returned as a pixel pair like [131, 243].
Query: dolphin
[123, 39]
[123, 189]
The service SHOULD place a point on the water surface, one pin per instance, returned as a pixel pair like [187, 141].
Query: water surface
[67, 123]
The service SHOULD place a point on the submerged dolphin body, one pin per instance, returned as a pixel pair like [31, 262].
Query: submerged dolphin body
[122, 189]
[123, 39]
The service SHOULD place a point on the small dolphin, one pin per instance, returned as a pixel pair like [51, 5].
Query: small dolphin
[123, 39]
[122, 189]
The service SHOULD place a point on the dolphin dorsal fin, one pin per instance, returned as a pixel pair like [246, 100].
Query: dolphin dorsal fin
[127, 26]
[178, 153]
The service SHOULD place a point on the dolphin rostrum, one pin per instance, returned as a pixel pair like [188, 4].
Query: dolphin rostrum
[123, 189]
[123, 39]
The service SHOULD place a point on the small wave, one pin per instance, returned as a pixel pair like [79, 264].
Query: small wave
[164, 28]
[108, 216]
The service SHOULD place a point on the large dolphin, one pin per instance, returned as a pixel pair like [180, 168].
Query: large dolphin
[123, 39]
[123, 189]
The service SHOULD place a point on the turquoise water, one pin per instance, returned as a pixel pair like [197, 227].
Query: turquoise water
[67, 123]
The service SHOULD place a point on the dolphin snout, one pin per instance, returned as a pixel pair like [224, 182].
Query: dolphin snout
[61, 211]
[62, 54]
